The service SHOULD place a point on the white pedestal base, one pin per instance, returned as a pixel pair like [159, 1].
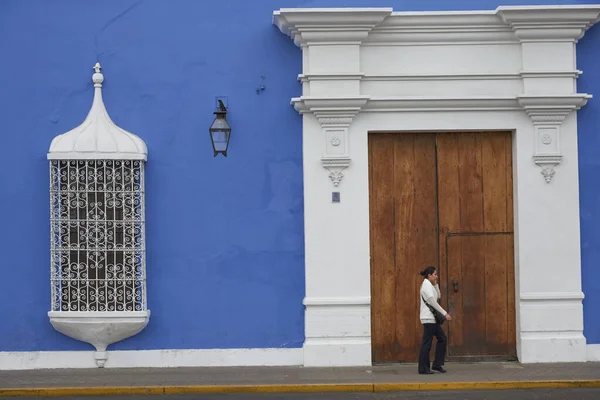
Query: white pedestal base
[338, 332]
[337, 353]
[551, 327]
[553, 347]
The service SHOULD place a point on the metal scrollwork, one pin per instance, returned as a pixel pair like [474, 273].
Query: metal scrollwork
[97, 235]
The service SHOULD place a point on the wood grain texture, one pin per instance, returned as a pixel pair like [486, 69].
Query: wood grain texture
[383, 236]
[444, 200]
[416, 242]
[479, 253]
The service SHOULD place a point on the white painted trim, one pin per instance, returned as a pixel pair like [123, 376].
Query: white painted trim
[152, 358]
[337, 301]
[374, 70]
[96, 155]
[441, 76]
[173, 358]
[383, 27]
[543, 296]
[593, 352]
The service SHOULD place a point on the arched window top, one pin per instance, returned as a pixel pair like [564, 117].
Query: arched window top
[98, 137]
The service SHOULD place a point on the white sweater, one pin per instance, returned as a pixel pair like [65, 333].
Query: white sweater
[431, 294]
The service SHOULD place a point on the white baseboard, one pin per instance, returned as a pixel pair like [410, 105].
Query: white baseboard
[593, 352]
[552, 347]
[152, 358]
[337, 352]
[337, 331]
[322, 354]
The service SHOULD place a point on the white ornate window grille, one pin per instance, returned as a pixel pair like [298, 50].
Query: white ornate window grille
[97, 245]
[97, 231]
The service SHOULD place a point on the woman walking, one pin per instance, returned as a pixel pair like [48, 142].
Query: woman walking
[430, 293]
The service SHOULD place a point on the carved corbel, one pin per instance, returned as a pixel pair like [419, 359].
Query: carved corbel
[547, 141]
[335, 116]
[547, 115]
[336, 154]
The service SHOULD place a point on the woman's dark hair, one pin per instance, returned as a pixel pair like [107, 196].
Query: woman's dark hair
[427, 271]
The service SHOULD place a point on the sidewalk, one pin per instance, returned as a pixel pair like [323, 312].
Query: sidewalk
[395, 377]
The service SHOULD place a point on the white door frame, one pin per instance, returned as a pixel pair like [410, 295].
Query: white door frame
[377, 70]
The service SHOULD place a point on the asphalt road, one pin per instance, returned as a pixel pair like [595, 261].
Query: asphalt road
[526, 394]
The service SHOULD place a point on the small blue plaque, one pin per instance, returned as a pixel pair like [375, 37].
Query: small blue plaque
[335, 197]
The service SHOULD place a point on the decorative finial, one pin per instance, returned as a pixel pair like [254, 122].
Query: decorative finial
[97, 78]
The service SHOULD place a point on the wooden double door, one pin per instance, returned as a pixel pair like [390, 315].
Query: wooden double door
[442, 199]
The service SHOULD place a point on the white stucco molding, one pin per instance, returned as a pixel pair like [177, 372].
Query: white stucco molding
[536, 28]
[566, 23]
[327, 28]
[309, 26]
[547, 114]
[509, 69]
[549, 79]
[552, 296]
[335, 117]
[337, 301]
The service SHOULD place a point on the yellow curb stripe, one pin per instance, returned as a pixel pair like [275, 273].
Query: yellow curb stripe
[590, 384]
[297, 388]
[200, 389]
[290, 388]
[80, 391]
[490, 385]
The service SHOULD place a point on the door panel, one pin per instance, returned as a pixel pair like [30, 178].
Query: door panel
[480, 325]
[475, 182]
[442, 200]
[383, 272]
[402, 198]
[416, 239]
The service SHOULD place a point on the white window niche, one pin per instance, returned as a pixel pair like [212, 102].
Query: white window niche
[98, 258]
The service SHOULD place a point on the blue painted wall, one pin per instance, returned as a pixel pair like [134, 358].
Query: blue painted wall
[588, 120]
[224, 236]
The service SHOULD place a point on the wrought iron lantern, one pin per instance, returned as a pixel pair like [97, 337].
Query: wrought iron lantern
[220, 131]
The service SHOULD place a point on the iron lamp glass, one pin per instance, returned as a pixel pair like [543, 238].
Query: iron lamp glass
[220, 131]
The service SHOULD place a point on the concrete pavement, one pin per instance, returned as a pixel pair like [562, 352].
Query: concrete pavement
[379, 378]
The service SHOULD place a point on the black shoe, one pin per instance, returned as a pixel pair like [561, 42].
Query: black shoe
[425, 372]
[439, 368]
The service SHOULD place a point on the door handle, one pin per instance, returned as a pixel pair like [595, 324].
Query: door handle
[455, 284]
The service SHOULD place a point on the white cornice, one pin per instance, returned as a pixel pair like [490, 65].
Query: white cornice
[550, 23]
[332, 107]
[329, 77]
[382, 26]
[542, 108]
[329, 105]
[328, 25]
[439, 77]
[373, 104]
[551, 84]
[441, 27]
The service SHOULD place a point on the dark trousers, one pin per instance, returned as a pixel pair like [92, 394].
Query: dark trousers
[429, 331]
